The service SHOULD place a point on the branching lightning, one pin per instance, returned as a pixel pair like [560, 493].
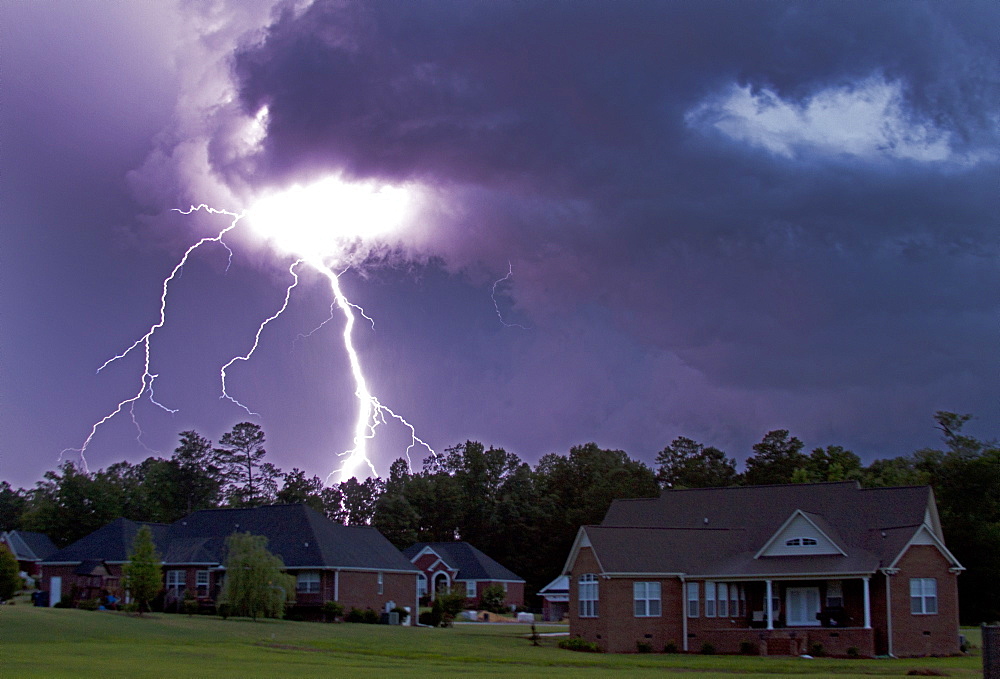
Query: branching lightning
[309, 250]
[496, 305]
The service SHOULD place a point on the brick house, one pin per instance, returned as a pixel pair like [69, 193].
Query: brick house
[354, 565]
[845, 568]
[444, 565]
[28, 548]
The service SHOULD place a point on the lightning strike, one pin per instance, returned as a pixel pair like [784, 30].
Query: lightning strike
[496, 305]
[297, 221]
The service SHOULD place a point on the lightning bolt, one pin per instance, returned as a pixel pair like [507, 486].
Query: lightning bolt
[148, 376]
[496, 305]
[371, 412]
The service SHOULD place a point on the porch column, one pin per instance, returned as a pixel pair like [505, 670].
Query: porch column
[868, 604]
[769, 607]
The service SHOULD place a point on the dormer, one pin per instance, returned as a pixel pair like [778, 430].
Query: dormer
[802, 534]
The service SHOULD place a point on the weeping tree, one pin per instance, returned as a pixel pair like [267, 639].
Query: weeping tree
[256, 584]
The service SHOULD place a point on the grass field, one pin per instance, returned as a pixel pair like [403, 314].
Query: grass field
[48, 642]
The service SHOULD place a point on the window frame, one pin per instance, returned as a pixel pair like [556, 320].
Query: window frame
[923, 596]
[588, 596]
[709, 599]
[202, 587]
[693, 600]
[172, 578]
[470, 589]
[722, 599]
[306, 580]
[646, 599]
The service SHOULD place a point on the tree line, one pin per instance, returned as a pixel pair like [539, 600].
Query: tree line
[525, 517]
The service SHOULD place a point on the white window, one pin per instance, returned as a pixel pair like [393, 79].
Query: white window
[734, 600]
[175, 581]
[381, 583]
[646, 597]
[421, 585]
[709, 599]
[800, 542]
[692, 598]
[470, 589]
[723, 599]
[923, 596]
[834, 594]
[588, 595]
[307, 582]
[201, 582]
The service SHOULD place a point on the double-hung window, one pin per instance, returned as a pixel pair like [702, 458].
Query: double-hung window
[709, 599]
[470, 589]
[646, 598]
[588, 595]
[722, 607]
[201, 583]
[176, 581]
[692, 599]
[923, 596]
[307, 582]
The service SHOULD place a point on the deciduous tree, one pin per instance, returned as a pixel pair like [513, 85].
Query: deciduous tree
[256, 584]
[143, 575]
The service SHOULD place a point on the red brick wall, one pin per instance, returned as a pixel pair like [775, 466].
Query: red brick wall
[359, 589]
[917, 635]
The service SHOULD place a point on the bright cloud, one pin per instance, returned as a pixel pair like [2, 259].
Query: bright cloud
[868, 119]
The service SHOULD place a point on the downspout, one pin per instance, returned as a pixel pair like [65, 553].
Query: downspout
[889, 572]
[336, 585]
[684, 614]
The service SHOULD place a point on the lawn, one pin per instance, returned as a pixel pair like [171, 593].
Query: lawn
[48, 642]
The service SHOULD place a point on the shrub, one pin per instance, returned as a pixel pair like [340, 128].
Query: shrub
[354, 615]
[332, 610]
[749, 648]
[224, 610]
[65, 602]
[643, 647]
[131, 607]
[670, 647]
[817, 650]
[430, 618]
[89, 604]
[369, 617]
[579, 644]
[493, 599]
[707, 649]
[190, 605]
[853, 652]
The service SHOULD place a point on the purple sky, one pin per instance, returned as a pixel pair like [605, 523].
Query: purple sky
[722, 218]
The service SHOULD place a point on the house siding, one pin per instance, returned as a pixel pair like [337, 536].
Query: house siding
[359, 589]
[918, 635]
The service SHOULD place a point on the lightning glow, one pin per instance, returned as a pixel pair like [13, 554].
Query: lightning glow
[322, 225]
[496, 305]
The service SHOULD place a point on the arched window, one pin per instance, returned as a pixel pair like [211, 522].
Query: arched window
[799, 542]
[588, 595]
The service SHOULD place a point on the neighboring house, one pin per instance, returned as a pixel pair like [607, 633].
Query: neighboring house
[848, 569]
[444, 565]
[28, 548]
[555, 599]
[354, 565]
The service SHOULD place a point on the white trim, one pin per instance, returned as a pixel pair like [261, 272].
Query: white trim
[788, 522]
[684, 617]
[581, 540]
[925, 529]
[868, 603]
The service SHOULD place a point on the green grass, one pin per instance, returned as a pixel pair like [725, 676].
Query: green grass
[44, 642]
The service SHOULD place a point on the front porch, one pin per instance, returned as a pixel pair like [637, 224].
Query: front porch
[842, 641]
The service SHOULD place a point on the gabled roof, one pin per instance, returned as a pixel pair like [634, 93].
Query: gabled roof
[725, 531]
[300, 535]
[29, 546]
[112, 542]
[471, 563]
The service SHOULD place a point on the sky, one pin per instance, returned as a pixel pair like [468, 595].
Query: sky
[625, 222]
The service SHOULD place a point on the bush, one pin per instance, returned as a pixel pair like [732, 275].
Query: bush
[131, 607]
[65, 602]
[332, 610]
[369, 617]
[190, 605]
[749, 648]
[853, 652]
[354, 615]
[89, 604]
[643, 647]
[224, 610]
[579, 644]
[430, 618]
[816, 650]
[707, 649]
[670, 647]
[493, 599]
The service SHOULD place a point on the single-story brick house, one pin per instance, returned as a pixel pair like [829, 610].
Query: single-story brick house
[354, 565]
[444, 565]
[847, 570]
[28, 548]
[555, 599]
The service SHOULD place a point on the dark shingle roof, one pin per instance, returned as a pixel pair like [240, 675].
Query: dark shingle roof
[471, 563]
[303, 538]
[719, 531]
[29, 546]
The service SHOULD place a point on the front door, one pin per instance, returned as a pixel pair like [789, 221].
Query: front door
[801, 606]
[55, 590]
